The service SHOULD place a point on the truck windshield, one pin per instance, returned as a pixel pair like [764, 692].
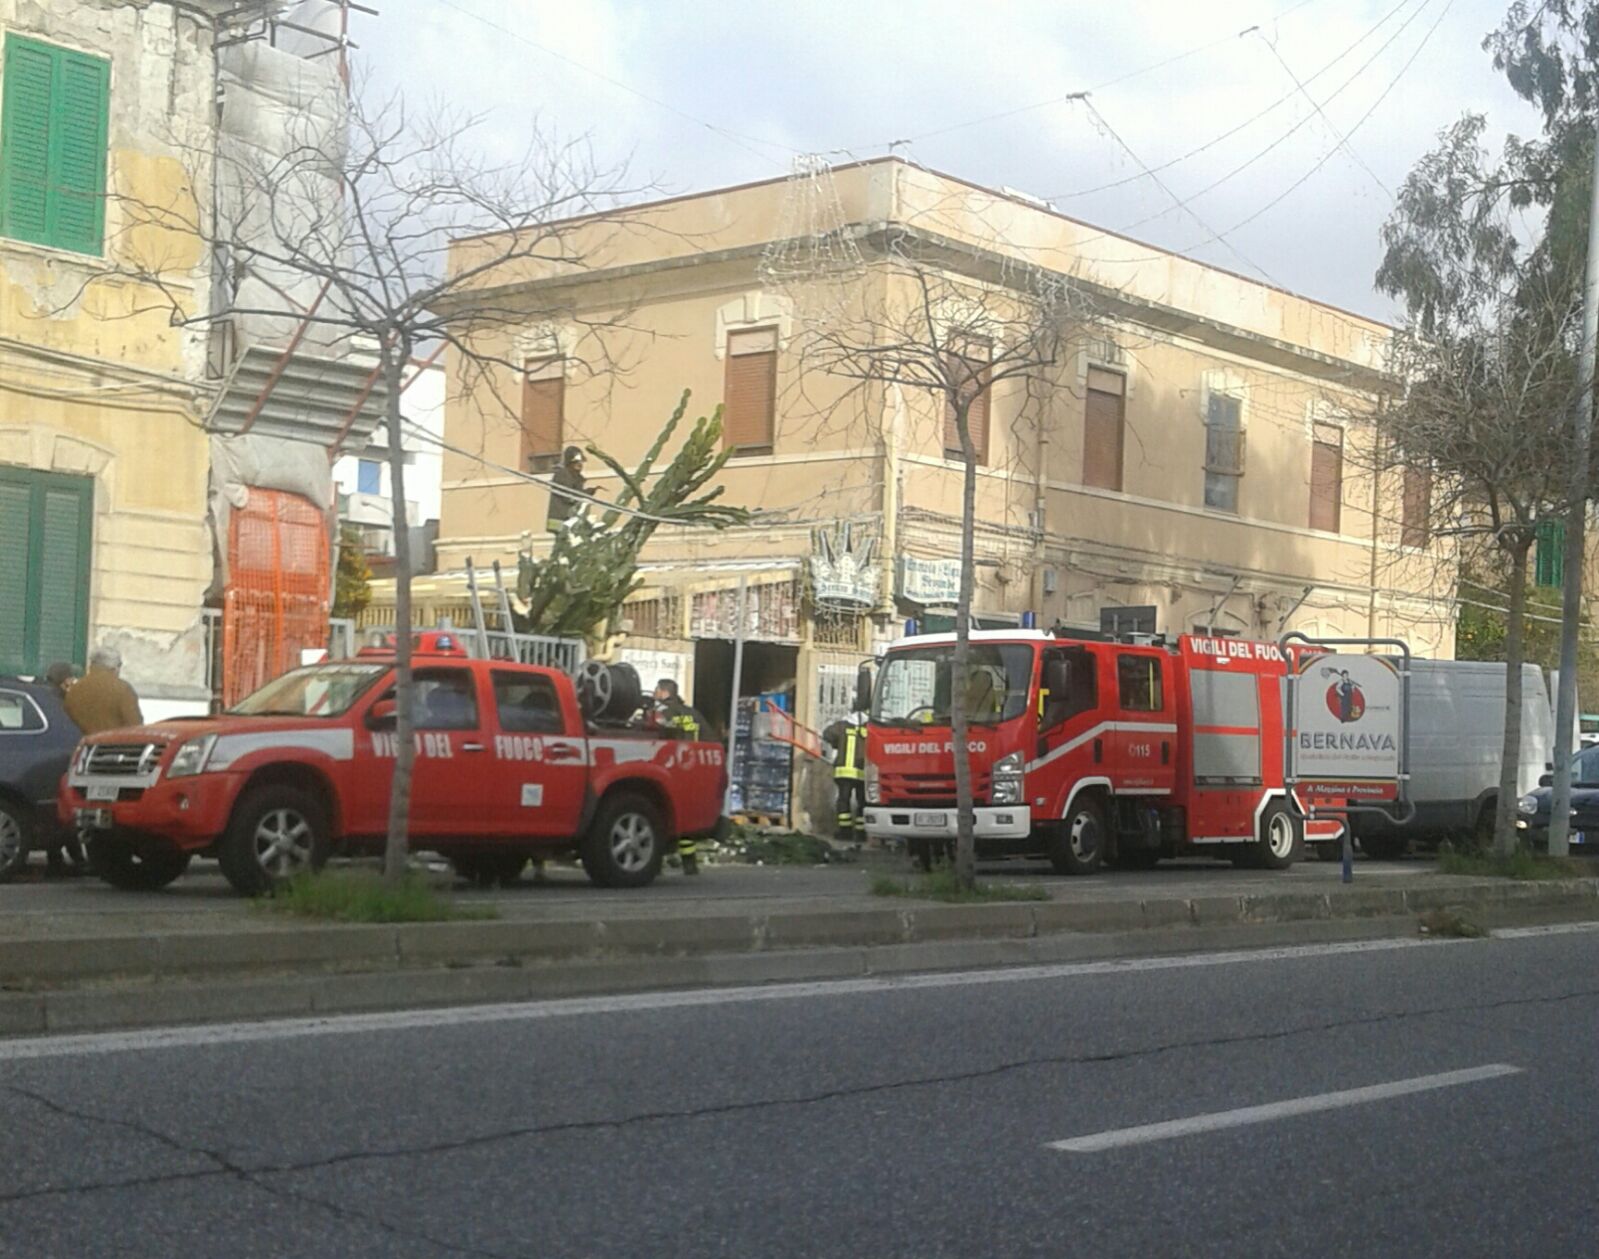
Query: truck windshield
[916, 685]
[319, 690]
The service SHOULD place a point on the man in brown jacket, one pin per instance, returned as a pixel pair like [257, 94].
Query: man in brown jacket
[101, 700]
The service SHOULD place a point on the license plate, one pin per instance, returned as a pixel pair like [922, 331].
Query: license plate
[929, 819]
[93, 819]
[101, 791]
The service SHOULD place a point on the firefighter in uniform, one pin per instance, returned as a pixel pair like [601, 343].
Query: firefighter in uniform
[847, 738]
[671, 713]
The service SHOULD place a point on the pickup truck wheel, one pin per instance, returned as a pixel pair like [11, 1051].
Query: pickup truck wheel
[131, 869]
[276, 833]
[14, 837]
[1280, 840]
[1078, 844]
[626, 844]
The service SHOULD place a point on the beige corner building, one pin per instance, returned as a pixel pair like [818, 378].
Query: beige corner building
[1197, 462]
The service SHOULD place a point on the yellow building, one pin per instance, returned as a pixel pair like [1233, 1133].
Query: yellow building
[1197, 461]
[102, 467]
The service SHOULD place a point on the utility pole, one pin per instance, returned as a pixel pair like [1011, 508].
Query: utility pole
[1571, 609]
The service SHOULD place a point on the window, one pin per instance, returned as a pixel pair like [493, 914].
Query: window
[1326, 476]
[543, 414]
[968, 371]
[1549, 560]
[749, 392]
[1224, 451]
[1104, 424]
[369, 476]
[442, 699]
[527, 704]
[1415, 528]
[45, 523]
[1138, 681]
[53, 128]
[1081, 692]
[19, 712]
[321, 690]
[1214, 631]
[1136, 619]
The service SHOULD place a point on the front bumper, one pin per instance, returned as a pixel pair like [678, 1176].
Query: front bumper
[999, 821]
[190, 812]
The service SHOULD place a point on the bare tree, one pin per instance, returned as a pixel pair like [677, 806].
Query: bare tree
[372, 212]
[931, 315]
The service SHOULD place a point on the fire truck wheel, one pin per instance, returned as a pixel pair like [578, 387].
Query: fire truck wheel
[1280, 839]
[1078, 844]
[123, 866]
[626, 844]
[276, 832]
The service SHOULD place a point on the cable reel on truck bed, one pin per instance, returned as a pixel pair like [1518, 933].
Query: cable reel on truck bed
[608, 692]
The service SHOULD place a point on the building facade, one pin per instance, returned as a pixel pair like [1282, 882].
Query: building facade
[1196, 460]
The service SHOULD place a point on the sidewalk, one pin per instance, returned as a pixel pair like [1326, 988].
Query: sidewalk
[78, 955]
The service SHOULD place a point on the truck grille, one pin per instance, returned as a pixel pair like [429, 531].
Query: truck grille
[123, 760]
[930, 789]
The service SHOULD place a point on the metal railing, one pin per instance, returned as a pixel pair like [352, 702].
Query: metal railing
[565, 654]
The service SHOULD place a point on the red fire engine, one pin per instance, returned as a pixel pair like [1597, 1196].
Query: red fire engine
[1087, 751]
[511, 763]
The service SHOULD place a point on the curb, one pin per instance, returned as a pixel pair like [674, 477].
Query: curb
[30, 966]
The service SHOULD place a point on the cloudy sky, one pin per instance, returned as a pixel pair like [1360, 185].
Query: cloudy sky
[698, 93]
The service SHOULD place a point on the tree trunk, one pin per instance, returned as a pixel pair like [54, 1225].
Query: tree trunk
[965, 817]
[397, 848]
[1510, 754]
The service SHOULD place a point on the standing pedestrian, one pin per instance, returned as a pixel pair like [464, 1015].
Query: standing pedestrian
[568, 477]
[847, 738]
[63, 853]
[673, 714]
[101, 700]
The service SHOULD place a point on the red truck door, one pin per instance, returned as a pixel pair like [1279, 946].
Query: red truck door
[1072, 740]
[540, 770]
[1143, 743]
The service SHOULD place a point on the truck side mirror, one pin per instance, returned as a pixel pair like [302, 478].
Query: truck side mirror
[863, 689]
[383, 715]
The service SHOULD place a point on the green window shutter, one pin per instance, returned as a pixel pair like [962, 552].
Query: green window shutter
[80, 121]
[1549, 562]
[62, 592]
[15, 506]
[53, 145]
[25, 140]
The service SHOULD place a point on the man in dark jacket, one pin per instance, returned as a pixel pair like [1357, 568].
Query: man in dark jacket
[847, 738]
[671, 713]
[569, 476]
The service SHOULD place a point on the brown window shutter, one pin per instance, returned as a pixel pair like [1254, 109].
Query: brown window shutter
[1326, 478]
[1415, 526]
[975, 372]
[1104, 425]
[749, 402]
[543, 416]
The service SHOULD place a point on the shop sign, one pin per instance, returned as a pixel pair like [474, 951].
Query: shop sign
[932, 583]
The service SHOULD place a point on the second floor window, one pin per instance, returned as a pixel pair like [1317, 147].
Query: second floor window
[968, 371]
[1104, 429]
[1326, 477]
[749, 394]
[53, 143]
[543, 414]
[1415, 524]
[1224, 451]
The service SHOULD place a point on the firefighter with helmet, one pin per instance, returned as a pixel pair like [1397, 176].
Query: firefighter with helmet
[847, 738]
[671, 713]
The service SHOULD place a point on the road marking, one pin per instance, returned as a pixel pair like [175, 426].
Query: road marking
[98, 1043]
[1117, 1138]
[1549, 929]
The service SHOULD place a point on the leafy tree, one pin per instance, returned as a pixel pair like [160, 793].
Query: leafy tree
[592, 568]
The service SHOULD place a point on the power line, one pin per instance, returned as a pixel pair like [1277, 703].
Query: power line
[1342, 139]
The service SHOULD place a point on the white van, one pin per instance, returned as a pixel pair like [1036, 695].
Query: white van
[1457, 716]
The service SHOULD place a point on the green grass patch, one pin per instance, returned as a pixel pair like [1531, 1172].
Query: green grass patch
[940, 884]
[1521, 864]
[365, 896]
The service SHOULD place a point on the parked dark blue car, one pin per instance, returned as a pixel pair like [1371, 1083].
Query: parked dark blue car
[36, 742]
[1532, 810]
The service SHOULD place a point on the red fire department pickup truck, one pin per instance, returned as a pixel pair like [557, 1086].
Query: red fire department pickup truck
[1088, 751]
[507, 768]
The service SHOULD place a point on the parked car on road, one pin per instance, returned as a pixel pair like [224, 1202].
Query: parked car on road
[36, 742]
[1532, 810]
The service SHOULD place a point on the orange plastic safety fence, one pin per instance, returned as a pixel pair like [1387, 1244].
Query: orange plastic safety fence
[276, 601]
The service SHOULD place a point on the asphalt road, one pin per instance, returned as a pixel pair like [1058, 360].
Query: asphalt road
[871, 1118]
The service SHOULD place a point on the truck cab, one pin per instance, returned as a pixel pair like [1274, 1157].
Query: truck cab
[507, 767]
[1086, 750]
